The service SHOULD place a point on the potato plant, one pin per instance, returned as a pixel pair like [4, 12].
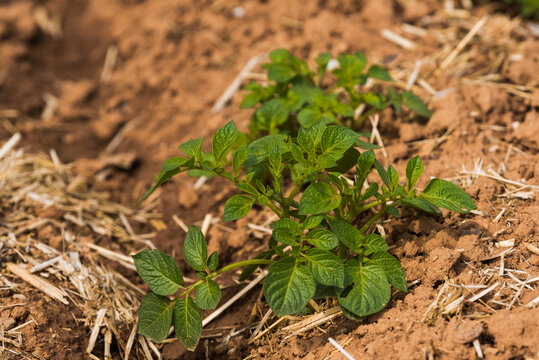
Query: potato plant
[296, 95]
[321, 247]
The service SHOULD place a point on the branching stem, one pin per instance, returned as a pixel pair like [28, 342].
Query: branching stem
[225, 269]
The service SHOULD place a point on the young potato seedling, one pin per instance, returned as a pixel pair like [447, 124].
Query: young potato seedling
[314, 252]
[301, 137]
[296, 96]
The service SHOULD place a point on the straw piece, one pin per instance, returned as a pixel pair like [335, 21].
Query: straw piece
[51, 105]
[236, 83]
[268, 329]
[261, 324]
[108, 341]
[37, 282]
[414, 74]
[477, 347]
[206, 224]
[126, 261]
[45, 264]
[95, 330]
[397, 39]
[110, 61]
[200, 182]
[145, 349]
[49, 25]
[259, 228]
[10, 144]
[532, 248]
[131, 340]
[313, 321]
[414, 30]
[376, 134]
[484, 292]
[341, 349]
[226, 305]
[533, 303]
[120, 135]
[180, 223]
[463, 42]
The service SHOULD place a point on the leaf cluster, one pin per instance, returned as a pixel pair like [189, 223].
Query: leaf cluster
[297, 96]
[314, 252]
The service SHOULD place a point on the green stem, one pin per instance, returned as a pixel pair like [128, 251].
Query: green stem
[369, 205]
[275, 209]
[225, 269]
[371, 221]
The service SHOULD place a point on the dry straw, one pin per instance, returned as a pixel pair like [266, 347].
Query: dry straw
[74, 271]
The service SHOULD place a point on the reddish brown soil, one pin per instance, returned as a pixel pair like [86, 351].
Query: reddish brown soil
[175, 60]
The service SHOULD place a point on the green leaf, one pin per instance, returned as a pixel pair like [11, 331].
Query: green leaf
[335, 141]
[192, 148]
[312, 221]
[239, 157]
[393, 177]
[308, 116]
[447, 195]
[372, 190]
[374, 243]
[377, 72]
[174, 163]
[319, 198]
[155, 317]
[348, 235]
[208, 294]
[364, 165]
[322, 239]
[306, 140]
[159, 271]
[213, 261]
[223, 140]
[347, 162]
[393, 211]
[394, 99]
[414, 169]
[195, 250]
[187, 322]
[372, 99]
[421, 204]
[285, 236]
[297, 153]
[260, 149]
[317, 132]
[322, 61]
[280, 73]
[271, 114]
[370, 292]
[365, 145]
[414, 103]
[382, 173]
[392, 269]
[248, 188]
[163, 176]
[288, 287]
[237, 207]
[326, 267]
[287, 224]
[279, 56]
[325, 292]
[351, 66]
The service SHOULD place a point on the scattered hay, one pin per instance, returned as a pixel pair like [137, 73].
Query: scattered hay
[49, 225]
